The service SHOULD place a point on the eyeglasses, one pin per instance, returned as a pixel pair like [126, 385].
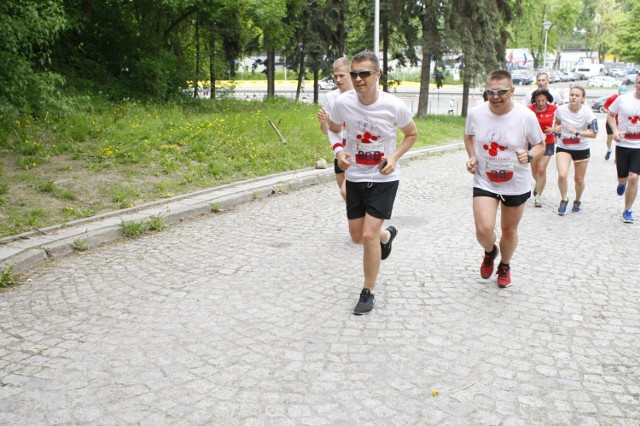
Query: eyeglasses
[361, 74]
[499, 92]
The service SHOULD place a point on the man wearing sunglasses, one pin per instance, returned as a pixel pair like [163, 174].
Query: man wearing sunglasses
[370, 158]
[496, 137]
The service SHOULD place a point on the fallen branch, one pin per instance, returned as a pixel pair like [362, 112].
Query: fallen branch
[284, 141]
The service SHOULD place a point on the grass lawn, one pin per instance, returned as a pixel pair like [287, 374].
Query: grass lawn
[102, 157]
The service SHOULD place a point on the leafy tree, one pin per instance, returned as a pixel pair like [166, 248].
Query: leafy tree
[476, 24]
[126, 48]
[28, 29]
[269, 16]
[627, 42]
[224, 35]
[564, 16]
[526, 29]
[610, 16]
[432, 15]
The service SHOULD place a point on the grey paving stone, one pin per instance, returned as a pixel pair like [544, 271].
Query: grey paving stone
[244, 317]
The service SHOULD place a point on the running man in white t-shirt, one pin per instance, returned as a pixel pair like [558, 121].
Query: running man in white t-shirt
[341, 68]
[370, 158]
[497, 135]
[626, 132]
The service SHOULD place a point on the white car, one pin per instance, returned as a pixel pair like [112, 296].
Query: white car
[617, 72]
[327, 83]
[602, 81]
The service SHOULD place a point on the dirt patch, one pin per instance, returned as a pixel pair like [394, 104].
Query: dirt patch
[63, 189]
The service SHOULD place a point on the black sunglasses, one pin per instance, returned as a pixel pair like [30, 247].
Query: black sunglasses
[361, 74]
[499, 92]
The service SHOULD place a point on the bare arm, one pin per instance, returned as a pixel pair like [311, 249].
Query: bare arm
[611, 119]
[323, 118]
[470, 146]
[536, 152]
[410, 136]
[334, 127]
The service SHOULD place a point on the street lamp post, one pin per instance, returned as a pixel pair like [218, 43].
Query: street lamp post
[376, 27]
[546, 25]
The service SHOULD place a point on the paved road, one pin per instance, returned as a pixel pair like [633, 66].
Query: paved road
[245, 318]
[438, 99]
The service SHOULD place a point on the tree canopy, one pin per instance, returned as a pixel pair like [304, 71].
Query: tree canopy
[154, 49]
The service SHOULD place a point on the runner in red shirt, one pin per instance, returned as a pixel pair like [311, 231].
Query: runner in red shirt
[541, 105]
[605, 108]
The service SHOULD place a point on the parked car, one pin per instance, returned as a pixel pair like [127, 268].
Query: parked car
[568, 76]
[327, 83]
[617, 72]
[602, 81]
[521, 79]
[554, 76]
[627, 80]
[597, 104]
[579, 76]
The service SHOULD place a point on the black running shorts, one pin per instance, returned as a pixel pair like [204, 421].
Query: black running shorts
[576, 154]
[627, 161]
[507, 200]
[374, 199]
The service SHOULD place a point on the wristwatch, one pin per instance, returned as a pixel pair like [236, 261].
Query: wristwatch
[529, 158]
[577, 133]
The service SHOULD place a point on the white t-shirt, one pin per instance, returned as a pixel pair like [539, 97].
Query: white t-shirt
[579, 120]
[370, 133]
[328, 102]
[627, 107]
[330, 99]
[557, 97]
[497, 138]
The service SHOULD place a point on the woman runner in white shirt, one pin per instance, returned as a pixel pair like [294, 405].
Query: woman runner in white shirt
[576, 123]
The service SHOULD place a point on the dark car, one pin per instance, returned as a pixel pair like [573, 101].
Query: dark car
[521, 79]
[598, 103]
[629, 79]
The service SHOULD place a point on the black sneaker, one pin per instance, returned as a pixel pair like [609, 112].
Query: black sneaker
[365, 303]
[385, 249]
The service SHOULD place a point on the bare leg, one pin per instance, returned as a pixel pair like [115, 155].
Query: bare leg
[631, 192]
[341, 181]
[563, 161]
[366, 231]
[580, 170]
[509, 224]
[485, 210]
[541, 178]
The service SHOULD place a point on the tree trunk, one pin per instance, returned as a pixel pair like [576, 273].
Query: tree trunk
[425, 76]
[428, 40]
[341, 31]
[300, 74]
[385, 52]
[212, 61]
[197, 73]
[271, 70]
[316, 75]
[466, 84]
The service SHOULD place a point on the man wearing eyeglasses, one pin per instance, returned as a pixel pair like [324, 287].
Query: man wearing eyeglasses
[370, 158]
[496, 137]
[542, 82]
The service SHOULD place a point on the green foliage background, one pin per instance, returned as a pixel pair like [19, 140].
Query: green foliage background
[150, 49]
